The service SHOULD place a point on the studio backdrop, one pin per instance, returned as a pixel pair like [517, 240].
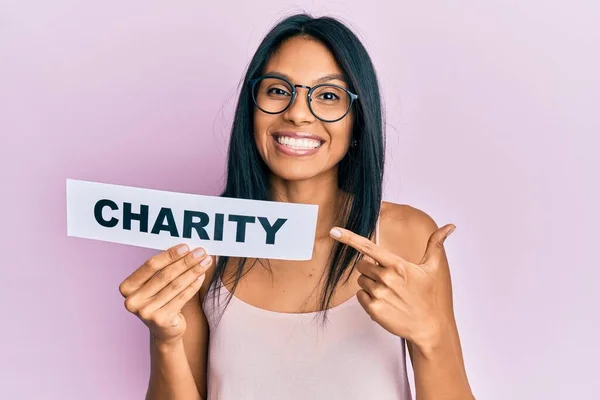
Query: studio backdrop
[492, 125]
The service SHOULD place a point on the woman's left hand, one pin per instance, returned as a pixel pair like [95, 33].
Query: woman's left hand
[404, 298]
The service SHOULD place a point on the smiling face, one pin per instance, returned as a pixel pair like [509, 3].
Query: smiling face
[294, 144]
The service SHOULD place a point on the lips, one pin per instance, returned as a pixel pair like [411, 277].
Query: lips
[297, 143]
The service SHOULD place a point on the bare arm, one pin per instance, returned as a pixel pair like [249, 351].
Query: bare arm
[440, 372]
[165, 294]
[438, 365]
[435, 349]
[171, 376]
[178, 370]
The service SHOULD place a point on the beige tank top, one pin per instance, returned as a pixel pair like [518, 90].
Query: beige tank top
[257, 354]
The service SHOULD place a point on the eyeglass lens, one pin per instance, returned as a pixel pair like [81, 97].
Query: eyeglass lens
[328, 102]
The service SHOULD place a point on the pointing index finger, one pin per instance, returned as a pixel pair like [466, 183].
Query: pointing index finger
[365, 246]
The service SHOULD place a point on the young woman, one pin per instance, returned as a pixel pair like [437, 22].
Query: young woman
[308, 128]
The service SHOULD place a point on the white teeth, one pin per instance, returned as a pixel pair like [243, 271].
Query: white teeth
[298, 144]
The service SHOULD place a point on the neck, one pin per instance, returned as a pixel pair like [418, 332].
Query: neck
[321, 190]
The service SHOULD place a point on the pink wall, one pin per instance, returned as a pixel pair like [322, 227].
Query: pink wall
[493, 125]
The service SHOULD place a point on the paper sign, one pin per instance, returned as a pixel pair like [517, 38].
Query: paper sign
[160, 219]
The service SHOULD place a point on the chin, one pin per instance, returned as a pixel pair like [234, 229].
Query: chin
[300, 167]
[294, 172]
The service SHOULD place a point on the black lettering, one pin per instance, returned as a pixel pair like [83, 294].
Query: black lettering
[242, 220]
[271, 230]
[188, 224]
[100, 204]
[219, 218]
[159, 225]
[128, 216]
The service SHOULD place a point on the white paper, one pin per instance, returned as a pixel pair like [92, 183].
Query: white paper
[292, 239]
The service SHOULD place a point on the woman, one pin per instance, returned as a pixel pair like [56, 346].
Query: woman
[308, 129]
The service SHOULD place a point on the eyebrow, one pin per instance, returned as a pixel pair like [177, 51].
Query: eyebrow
[323, 79]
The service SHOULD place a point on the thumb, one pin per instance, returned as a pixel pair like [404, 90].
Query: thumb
[176, 320]
[435, 245]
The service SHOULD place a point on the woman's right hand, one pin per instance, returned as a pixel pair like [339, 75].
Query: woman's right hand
[157, 291]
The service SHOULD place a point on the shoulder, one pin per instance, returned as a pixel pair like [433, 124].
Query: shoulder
[405, 230]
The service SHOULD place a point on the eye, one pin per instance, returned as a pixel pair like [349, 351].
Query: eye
[328, 96]
[278, 92]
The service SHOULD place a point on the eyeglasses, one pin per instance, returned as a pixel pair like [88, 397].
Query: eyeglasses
[327, 102]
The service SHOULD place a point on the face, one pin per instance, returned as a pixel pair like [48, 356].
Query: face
[294, 144]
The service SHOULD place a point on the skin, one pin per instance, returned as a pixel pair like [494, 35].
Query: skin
[403, 284]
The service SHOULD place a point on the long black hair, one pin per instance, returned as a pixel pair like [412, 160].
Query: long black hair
[360, 172]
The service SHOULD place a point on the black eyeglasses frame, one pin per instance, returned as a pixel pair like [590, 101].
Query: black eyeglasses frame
[311, 89]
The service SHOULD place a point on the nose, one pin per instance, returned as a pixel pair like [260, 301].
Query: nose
[299, 112]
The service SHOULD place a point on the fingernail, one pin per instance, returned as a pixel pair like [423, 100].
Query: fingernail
[336, 233]
[206, 261]
[198, 253]
[182, 249]
[450, 232]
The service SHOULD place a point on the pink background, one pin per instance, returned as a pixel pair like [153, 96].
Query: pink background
[492, 125]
